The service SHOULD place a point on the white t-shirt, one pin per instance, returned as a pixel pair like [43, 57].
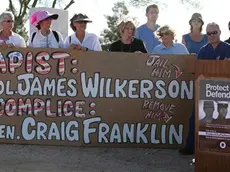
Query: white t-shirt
[49, 41]
[15, 39]
[90, 41]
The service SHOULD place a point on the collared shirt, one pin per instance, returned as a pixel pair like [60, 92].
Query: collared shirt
[222, 51]
[176, 48]
[147, 36]
[91, 41]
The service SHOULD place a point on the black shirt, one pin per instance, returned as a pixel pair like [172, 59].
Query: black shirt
[136, 45]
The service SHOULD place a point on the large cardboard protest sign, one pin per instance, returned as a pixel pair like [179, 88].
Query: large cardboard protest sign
[64, 97]
[214, 116]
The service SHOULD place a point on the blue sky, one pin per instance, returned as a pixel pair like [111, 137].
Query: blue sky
[176, 15]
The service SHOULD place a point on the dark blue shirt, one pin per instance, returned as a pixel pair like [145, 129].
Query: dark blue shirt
[207, 52]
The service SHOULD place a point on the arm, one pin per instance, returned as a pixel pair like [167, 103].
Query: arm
[183, 41]
[200, 55]
[143, 48]
[61, 42]
[17, 41]
[21, 43]
[137, 34]
[185, 50]
[30, 44]
[96, 44]
[155, 51]
[111, 47]
[66, 42]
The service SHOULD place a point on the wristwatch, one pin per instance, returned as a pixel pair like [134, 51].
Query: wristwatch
[86, 49]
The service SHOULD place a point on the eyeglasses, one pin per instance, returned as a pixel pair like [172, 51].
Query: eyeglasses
[212, 33]
[9, 21]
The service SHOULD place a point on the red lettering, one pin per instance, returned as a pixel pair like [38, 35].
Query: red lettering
[2, 103]
[61, 61]
[29, 62]
[39, 106]
[10, 107]
[68, 104]
[44, 67]
[26, 107]
[2, 63]
[48, 110]
[16, 60]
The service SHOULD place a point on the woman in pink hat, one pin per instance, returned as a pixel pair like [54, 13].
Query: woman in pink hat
[82, 40]
[7, 37]
[45, 37]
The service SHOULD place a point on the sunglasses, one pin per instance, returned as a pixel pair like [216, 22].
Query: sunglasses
[9, 21]
[212, 33]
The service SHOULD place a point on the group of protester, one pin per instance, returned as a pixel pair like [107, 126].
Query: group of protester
[148, 38]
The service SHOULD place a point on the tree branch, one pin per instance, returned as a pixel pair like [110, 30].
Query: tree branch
[11, 7]
[25, 5]
[20, 11]
[69, 4]
[54, 3]
[34, 3]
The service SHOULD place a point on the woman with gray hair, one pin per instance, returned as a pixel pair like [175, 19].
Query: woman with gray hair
[7, 37]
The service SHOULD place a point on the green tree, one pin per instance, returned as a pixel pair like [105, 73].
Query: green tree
[111, 34]
[20, 10]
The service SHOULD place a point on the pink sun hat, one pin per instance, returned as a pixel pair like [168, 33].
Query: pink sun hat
[40, 15]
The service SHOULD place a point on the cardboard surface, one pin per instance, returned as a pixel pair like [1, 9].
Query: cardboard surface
[64, 97]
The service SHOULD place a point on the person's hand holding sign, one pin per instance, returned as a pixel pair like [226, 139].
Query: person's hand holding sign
[78, 47]
[11, 45]
[3, 45]
[73, 46]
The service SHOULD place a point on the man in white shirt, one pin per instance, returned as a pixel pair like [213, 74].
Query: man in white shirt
[82, 40]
